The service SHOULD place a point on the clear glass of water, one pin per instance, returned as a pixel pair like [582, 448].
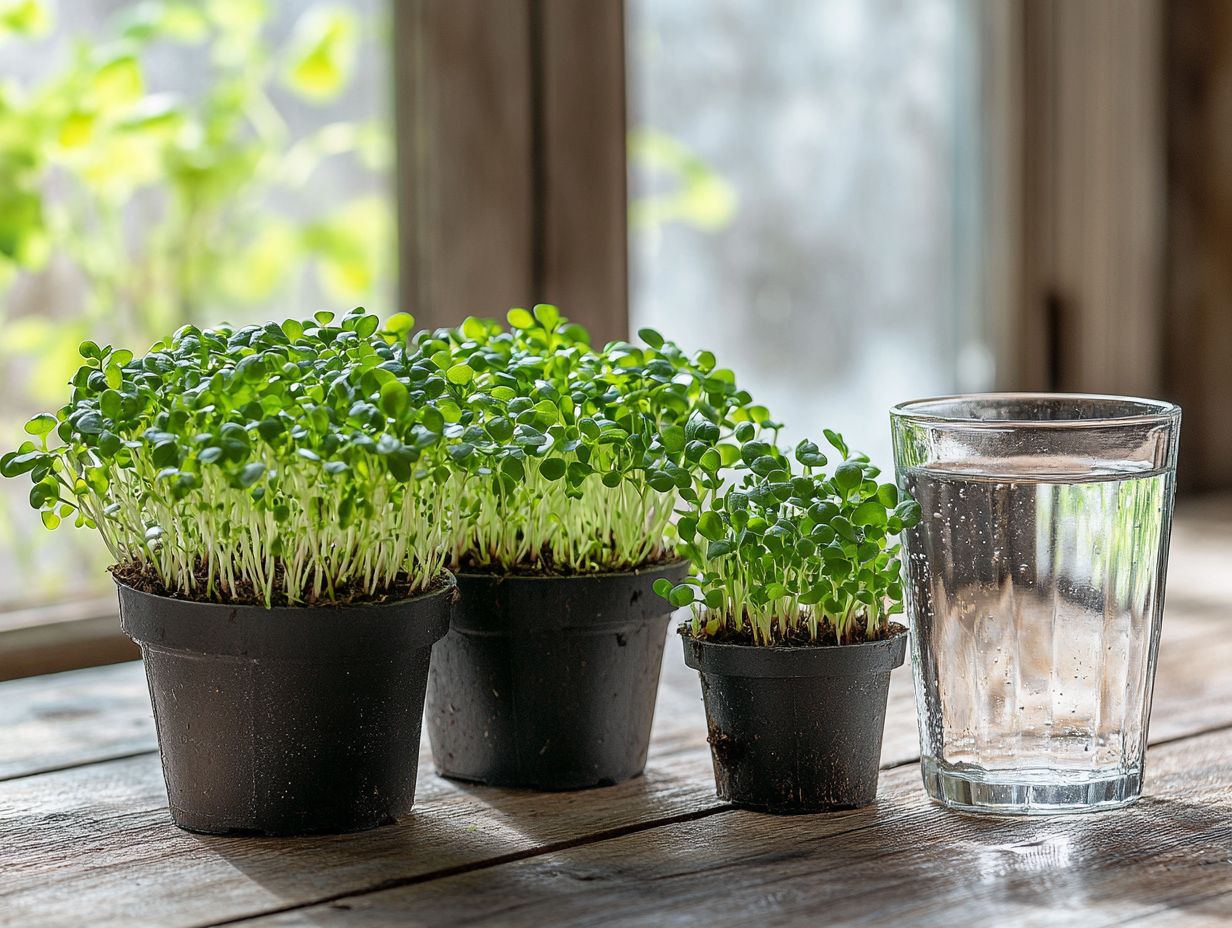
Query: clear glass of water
[1035, 586]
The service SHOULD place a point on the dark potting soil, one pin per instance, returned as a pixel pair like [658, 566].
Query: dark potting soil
[545, 566]
[141, 576]
[825, 636]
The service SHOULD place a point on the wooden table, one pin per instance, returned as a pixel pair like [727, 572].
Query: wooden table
[85, 838]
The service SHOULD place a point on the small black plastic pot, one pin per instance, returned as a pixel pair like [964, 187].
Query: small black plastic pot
[795, 729]
[549, 682]
[291, 720]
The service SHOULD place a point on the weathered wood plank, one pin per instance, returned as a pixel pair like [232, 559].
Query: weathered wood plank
[73, 718]
[1197, 336]
[1091, 207]
[904, 862]
[110, 823]
[584, 246]
[62, 636]
[511, 159]
[97, 839]
[466, 197]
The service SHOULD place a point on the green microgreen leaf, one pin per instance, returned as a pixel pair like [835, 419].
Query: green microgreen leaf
[520, 319]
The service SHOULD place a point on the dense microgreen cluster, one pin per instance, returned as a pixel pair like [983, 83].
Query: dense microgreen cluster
[573, 459]
[289, 461]
[790, 553]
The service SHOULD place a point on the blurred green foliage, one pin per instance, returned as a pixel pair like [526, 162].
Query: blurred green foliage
[697, 195]
[133, 209]
[164, 205]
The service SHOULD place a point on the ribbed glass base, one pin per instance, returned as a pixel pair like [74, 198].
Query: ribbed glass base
[1028, 792]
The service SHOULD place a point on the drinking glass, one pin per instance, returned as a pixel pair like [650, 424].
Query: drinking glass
[1035, 587]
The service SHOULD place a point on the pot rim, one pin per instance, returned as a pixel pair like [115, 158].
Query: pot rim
[579, 604]
[451, 583]
[827, 660]
[320, 634]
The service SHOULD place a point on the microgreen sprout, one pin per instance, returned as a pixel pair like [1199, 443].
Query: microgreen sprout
[283, 463]
[789, 553]
[573, 460]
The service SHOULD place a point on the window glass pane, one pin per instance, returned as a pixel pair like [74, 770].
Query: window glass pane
[801, 182]
[167, 162]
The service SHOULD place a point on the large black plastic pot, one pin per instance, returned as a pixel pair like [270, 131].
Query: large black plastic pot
[795, 729]
[289, 720]
[549, 682]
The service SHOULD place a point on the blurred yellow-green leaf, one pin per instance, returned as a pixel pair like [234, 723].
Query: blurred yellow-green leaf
[321, 52]
[120, 163]
[159, 114]
[118, 80]
[23, 238]
[238, 15]
[261, 268]
[352, 247]
[699, 195]
[238, 24]
[77, 129]
[56, 362]
[27, 335]
[24, 17]
[183, 22]
[161, 210]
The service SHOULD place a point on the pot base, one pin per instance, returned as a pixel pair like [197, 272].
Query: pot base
[792, 808]
[547, 786]
[186, 822]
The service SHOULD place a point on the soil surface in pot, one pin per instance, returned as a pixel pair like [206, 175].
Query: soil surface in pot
[798, 638]
[545, 566]
[141, 576]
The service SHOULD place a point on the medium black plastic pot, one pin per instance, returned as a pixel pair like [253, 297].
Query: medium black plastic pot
[291, 720]
[549, 682]
[795, 729]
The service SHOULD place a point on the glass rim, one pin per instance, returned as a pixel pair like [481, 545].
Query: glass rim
[1151, 412]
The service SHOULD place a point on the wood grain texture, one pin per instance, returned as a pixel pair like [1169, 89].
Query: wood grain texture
[74, 718]
[584, 246]
[1198, 299]
[77, 840]
[1091, 212]
[904, 862]
[43, 648]
[55, 637]
[82, 840]
[511, 159]
[465, 157]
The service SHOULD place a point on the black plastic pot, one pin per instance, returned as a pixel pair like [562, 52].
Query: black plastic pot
[795, 729]
[549, 682]
[289, 720]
